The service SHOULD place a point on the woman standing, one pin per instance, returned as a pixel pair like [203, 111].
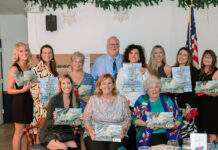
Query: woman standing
[82, 82]
[45, 69]
[81, 79]
[132, 54]
[22, 106]
[157, 63]
[106, 107]
[64, 99]
[188, 100]
[208, 104]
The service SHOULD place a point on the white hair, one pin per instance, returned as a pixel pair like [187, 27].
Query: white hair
[151, 79]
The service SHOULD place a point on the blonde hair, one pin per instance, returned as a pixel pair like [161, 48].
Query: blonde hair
[74, 102]
[103, 77]
[15, 56]
[153, 68]
[78, 54]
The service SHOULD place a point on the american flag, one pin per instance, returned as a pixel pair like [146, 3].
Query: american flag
[191, 42]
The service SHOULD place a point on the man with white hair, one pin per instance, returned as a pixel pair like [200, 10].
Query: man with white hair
[110, 62]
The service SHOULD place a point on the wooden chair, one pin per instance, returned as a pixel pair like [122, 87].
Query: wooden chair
[32, 138]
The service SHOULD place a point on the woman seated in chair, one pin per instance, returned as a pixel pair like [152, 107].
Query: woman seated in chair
[153, 101]
[64, 99]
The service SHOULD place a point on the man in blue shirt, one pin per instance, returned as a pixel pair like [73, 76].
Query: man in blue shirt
[110, 62]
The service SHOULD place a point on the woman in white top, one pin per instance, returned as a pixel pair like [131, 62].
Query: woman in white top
[133, 54]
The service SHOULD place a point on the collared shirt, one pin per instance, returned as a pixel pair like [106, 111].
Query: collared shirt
[104, 64]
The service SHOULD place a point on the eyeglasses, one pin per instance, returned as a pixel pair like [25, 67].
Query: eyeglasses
[114, 45]
[153, 87]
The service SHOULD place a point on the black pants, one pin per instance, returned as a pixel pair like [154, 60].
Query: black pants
[158, 138]
[102, 145]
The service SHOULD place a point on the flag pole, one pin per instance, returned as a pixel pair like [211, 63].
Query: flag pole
[190, 22]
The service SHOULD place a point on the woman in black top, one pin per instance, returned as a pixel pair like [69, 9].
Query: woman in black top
[187, 100]
[64, 99]
[208, 103]
[22, 105]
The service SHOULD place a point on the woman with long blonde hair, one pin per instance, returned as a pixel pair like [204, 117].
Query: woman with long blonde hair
[22, 106]
[157, 63]
[65, 98]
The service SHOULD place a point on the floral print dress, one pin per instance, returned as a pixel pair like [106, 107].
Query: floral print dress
[41, 71]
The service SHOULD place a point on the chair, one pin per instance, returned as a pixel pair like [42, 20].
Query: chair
[32, 139]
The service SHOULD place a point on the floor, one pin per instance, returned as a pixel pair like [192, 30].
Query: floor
[6, 134]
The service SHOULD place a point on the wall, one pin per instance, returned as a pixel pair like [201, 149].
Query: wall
[13, 29]
[165, 24]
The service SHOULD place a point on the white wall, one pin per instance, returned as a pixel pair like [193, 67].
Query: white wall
[13, 29]
[165, 24]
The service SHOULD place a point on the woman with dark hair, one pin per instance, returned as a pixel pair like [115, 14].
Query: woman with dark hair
[132, 54]
[45, 69]
[106, 107]
[22, 105]
[208, 103]
[64, 99]
[157, 63]
[187, 100]
[47, 56]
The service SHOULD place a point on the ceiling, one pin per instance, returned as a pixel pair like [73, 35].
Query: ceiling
[12, 7]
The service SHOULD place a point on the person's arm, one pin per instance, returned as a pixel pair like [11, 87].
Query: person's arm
[141, 123]
[11, 83]
[146, 75]
[176, 114]
[87, 116]
[127, 116]
[93, 85]
[50, 110]
[136, 114]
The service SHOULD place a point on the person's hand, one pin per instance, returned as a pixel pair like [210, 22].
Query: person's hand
[85, 99]
[145, 124]
[122, 133]
[54, 115]
[211, 93]
[154, 128]
[142, 70]
[27, 86]
[92, 134]
[187, 113]
[175, 126]
[81, 116]
[45, 105]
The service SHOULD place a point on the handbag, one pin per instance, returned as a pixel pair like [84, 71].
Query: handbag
[63, 133]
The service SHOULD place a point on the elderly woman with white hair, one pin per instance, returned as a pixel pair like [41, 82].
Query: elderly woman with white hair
[153, 101]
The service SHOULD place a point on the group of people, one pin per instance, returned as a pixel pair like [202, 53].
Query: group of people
[110, 104]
